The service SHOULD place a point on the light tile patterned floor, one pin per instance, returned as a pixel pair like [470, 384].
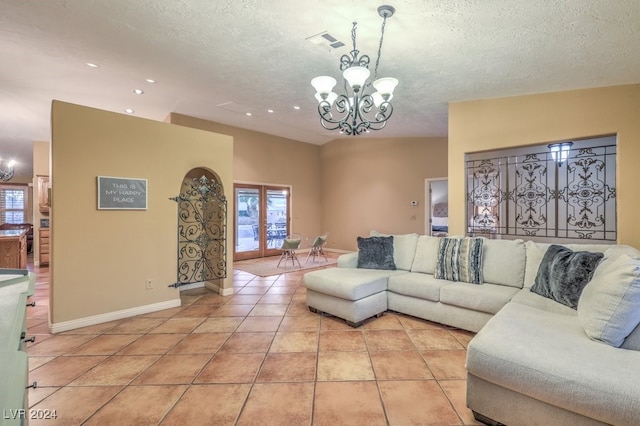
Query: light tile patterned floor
[258, 357]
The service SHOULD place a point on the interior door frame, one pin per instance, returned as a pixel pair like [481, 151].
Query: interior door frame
[263, 249]
[427, 202]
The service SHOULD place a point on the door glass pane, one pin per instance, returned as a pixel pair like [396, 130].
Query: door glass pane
[277, 200]
[247, 219]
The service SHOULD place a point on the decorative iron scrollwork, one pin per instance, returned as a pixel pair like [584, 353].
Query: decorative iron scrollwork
[202, 229]
[531, 195]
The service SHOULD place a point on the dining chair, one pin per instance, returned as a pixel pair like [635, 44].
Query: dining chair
[317, 248]
[289, 247]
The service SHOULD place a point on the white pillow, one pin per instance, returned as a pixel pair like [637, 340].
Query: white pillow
[404, 249]
[503, 262]
[426, 257]
[609, 306]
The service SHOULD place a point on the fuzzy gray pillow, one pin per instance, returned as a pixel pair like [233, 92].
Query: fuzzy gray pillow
[563, 274]
[376, 253]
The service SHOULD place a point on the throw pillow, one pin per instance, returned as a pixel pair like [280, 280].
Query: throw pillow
[376, 253]
[460, 259]
[404, 248]
[563, 273]
[608, 308]
[426, 257]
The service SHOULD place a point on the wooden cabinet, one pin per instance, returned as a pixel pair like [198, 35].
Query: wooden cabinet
[43, 244]
[13, 248]
[43, 194]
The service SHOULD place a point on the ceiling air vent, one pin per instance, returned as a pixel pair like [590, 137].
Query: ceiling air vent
[325, 40]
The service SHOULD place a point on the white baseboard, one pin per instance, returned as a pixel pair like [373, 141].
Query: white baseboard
[112, 316]
[221, 291]
[191, 286]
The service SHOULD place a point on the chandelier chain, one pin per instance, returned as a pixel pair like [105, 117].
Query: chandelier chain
[375, 71]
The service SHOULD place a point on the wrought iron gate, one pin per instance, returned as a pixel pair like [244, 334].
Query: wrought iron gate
[202, 231]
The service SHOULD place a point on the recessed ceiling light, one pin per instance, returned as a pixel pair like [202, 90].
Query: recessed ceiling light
[150, 80]
[129, 111]
[270, 111]
[92, 65]
[249, 114]
[296, 107]
[138, 91]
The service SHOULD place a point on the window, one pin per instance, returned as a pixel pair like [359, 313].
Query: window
[13, 204]
[526, 192]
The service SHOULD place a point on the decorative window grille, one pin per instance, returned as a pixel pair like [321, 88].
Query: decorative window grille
[524, 192]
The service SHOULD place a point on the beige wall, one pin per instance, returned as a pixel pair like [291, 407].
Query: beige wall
[369, 184]
[41, 166]
[101, 258]
[266, 159]
[534, 119]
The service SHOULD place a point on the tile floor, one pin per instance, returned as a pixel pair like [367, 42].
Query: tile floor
[257, 357]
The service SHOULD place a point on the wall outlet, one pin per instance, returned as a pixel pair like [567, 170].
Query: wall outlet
[148, 284]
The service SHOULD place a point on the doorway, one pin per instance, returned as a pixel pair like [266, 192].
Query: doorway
[262, 220]
[202, 228]
[436, 207]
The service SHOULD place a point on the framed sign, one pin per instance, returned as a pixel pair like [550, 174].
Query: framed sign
[117, 193]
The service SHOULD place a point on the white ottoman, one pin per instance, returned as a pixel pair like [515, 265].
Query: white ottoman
[348, 293]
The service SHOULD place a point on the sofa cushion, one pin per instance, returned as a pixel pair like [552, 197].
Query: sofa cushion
[421, 286]
[529, 298]
[563, 273]
[547, 357]
[404, 248]
[609, 308]
[347, 283]
[460, 259]
[503, 262]
[426, 257]
[376, 253]
[348, 260]
[489, 298]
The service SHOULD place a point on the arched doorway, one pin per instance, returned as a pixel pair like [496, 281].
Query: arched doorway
[202, 228]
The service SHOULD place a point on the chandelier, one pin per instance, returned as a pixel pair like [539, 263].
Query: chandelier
[6, 170]
[356, 110]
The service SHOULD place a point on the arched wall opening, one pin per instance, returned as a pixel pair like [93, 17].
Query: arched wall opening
[202, 230]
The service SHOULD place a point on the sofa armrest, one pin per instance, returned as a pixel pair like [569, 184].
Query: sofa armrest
[349, 260]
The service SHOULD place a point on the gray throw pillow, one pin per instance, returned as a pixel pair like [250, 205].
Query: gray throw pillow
[376, 253]
[563, 274]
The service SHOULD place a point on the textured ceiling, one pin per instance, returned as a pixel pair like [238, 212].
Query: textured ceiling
[219, 59]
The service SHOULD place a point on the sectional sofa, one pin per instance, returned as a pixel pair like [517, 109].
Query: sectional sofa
[533, 360]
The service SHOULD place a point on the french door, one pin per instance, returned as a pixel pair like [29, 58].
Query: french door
[261, 220]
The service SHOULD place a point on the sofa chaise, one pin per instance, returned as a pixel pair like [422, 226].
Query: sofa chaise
[533, 360]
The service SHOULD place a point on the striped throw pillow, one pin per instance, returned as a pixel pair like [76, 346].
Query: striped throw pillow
[460, 259]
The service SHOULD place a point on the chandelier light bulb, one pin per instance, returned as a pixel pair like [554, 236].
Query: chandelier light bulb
[323, 84]
[330, 97]
[386, 86]
[377, 99]
[356, 77]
